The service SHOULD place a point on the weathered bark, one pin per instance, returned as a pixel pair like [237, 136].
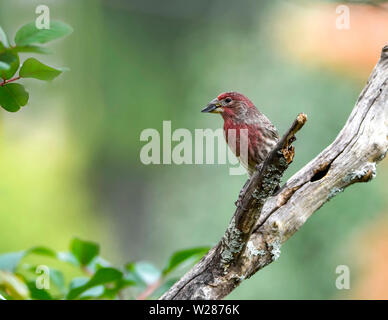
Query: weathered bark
[264, 221]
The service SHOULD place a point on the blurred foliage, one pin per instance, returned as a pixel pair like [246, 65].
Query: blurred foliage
[70, 160]
[22, 281]
[371, 2]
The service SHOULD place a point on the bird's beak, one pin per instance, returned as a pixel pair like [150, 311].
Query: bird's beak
[214, 106]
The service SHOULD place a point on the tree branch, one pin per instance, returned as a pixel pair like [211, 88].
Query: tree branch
[265, 220]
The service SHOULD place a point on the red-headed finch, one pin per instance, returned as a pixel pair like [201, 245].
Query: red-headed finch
[240, 113]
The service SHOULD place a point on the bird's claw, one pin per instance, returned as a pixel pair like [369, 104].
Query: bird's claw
[238, 204]
[292, 139]
[258, 167]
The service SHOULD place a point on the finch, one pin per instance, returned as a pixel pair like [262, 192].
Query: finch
[240, 113]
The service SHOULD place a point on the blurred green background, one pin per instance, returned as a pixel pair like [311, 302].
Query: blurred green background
[70, 164]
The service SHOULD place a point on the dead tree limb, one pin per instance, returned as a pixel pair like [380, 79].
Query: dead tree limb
[265, 220]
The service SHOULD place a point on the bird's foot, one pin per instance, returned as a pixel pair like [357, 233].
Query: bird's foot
[239, 205]
[259, 166]
[238, 202]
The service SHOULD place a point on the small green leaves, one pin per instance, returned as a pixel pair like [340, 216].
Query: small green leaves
[188, 255]
[143, 273]
[57, 279]
[18, 279]
[38, 294]
[101, 277]
[4, 66]
[31, 49]
[147, 272]
[13, 96]
[10, 261]
[30, 34]
[4, 38]
[32, 68]
[43, 251]
[12, 59]
[84, 251]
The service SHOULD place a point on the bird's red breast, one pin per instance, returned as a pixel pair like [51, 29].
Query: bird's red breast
[239, 113]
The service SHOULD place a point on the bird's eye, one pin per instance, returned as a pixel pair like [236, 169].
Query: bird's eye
[227, 100]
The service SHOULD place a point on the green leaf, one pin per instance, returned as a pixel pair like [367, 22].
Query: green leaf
[84, 251]
[32, 68]
[58, 279]
[4, 38]
[132, 278]
[13, 60]
[4, 66]
[144, 271]
[111, 292]
[29, 33]
[9, 261]
[101, 277]
[56, 276]
[78, 282]
[43, 251]
[179, 257]
[92, 293]
[13, 96]
[67, 257]
[98, 263]
[38, 294]
[31, 49]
